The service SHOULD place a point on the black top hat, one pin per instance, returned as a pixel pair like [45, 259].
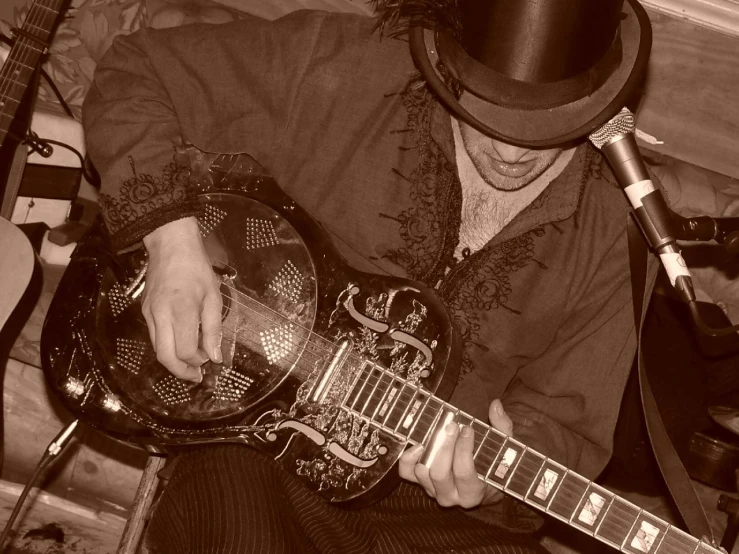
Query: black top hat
[535, 73]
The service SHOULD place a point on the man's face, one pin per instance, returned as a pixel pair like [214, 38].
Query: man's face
[502, 165]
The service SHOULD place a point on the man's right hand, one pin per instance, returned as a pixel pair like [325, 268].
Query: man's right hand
[182, 300]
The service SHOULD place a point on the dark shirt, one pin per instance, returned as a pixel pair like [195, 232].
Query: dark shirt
[337, 115]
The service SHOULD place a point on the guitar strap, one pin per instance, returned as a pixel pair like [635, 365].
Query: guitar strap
[10, 193]
[674, 473]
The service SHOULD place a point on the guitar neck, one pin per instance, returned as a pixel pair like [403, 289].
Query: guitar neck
[414, 415]
[17, 71]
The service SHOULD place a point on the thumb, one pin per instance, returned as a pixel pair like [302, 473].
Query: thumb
[210, 325]
[499, 419]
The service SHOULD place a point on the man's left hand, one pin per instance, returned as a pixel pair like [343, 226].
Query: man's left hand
[451, 477]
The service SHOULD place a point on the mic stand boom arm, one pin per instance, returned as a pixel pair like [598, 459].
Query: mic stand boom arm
[723, 230]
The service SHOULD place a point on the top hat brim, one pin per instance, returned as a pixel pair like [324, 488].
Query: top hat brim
[545, 127]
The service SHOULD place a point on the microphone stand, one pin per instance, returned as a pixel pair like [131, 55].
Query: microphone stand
[724, 231]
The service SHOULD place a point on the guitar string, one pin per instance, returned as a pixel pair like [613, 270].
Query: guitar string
[567, 491]
[26, 53]
[30, 21]
[617, 517]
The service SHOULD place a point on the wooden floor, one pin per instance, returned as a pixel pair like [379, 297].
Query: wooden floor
[51, 525]
[85, 495]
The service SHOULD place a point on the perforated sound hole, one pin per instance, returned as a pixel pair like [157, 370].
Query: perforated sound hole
[211, 219]
[278, 342]
[118, 301]
[288, 282]
[232, 385]
[172, 390]
[130, 353]
[270, 303]
[259, 233]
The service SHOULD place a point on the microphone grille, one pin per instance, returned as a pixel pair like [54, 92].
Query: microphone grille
[622, 123]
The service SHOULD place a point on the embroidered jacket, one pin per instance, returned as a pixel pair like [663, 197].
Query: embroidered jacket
[337, 115]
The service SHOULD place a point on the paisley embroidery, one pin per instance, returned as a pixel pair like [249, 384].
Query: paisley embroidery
[145, 201]
[483, 284]
[429, 227]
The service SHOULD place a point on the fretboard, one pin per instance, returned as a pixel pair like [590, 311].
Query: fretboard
[414, 415]
[30, 44]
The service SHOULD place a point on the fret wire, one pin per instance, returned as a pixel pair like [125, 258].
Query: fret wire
[19, 53]
[512, 470]
[437, 410]
[416, 419]
[27, 67]
[395, 401]
[661, 539]
[495, 460]
[370, 403]
[605, 514]
[526, 463]
[406, 407]
[482, 441]
[697, 546]
[364, 383]
[580, 498]
[429, 420]
[409, 406]
[614, 504]
[532, 464]
[630, 529]
[351, 387]
[384, 394]
[372, 391]
[534, 480]
[682, 534]
[559, 486]
[463, 416]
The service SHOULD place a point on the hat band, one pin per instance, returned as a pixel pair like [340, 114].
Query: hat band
[497, 88]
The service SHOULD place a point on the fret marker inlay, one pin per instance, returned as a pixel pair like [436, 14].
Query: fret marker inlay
[645, 537]
[386, 405]
[508, 458]
[546, 484]
[591, 510]
[408, 421]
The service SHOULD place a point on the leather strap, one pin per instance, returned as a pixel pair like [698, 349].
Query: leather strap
[674, 473]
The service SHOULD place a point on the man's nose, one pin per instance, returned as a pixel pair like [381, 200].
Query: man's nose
[509, 153]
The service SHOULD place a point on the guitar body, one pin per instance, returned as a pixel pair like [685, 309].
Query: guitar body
[299, 328]
[16, 267]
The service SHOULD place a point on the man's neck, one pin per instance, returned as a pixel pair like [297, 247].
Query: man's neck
[485, 209]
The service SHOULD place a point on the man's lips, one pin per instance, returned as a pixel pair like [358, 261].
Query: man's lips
[518, 169]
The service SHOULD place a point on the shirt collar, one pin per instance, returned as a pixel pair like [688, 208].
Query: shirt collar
[559, 201]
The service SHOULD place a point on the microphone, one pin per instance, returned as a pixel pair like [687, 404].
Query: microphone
[617, 142]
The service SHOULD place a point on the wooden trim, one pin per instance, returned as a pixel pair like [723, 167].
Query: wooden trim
[690, 99]
[719, 15]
